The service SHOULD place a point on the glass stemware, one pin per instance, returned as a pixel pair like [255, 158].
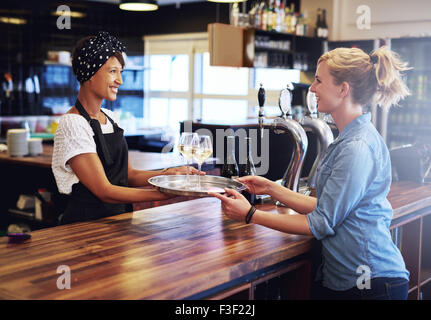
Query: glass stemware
[202, 150]
[185, 145]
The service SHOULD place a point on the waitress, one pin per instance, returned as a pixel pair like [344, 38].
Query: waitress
[90, 159]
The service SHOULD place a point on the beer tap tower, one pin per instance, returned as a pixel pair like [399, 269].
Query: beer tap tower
[324, 138]
[286, 125]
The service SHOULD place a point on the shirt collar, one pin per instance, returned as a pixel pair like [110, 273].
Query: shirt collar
[354, 125]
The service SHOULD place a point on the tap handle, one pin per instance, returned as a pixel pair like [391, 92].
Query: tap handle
[261, 96]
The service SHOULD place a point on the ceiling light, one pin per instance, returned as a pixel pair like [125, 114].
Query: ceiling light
[73, 14]
[12, 20]
[143, 5]
[226, 1]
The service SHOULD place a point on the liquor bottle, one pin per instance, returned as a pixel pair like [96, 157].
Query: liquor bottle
[293, 21]
[275, 8]
[280, 18]
[269, 14]
[234, 19]
[230, 167]
[287, 18]
[248, 169]
[258, 16]
[325, 31]
[318, 30]
[300, 27]
[264, 20]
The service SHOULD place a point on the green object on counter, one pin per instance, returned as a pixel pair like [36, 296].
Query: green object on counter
[42, 135]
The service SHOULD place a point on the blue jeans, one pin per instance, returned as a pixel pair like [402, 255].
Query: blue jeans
[380, 289]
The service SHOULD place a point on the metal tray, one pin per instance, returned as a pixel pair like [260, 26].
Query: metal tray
[176, 184]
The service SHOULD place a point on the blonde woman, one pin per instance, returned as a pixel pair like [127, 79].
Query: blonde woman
[350, 215]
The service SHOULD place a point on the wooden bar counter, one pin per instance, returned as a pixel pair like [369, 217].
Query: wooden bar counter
[139, 160]
[175, 251]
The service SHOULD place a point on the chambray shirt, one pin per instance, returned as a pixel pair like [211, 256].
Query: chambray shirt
[352, 215]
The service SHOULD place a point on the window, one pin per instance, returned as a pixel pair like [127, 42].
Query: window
[273, 79]
[223, 80]
[169, 72]
[180, 84]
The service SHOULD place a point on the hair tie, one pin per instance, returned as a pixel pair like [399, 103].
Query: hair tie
[93, 55]
[374, 59]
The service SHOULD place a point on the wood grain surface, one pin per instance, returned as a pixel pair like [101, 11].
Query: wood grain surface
[407, 197]
[168, 252]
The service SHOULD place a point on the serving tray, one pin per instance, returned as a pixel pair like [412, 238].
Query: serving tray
[176, 184]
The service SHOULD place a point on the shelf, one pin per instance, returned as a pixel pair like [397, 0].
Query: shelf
[274, 50]
[26, 214]
[261, 32]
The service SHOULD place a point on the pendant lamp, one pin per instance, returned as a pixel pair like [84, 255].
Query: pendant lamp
[139, 5]
[226, 1]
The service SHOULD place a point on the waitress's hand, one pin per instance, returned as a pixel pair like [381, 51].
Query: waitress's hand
[183, 170]
[256, 184]
[234, 205]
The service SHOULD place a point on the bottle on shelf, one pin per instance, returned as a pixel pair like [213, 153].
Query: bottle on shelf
[280, 17]
[269, 15]
[287, 19]
[234, 18]
[248, 169]
[230, 166]
[264, 20]
[317, 31]
[300, 26]
[293, 21]
[325, 31]
[275, 8]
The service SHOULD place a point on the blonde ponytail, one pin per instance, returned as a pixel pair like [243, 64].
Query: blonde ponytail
[377, 75]
[390, 85]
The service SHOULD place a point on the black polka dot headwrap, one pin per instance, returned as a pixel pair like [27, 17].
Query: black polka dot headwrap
[95, 52]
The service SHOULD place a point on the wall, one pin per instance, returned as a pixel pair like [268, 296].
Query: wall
[389, 18]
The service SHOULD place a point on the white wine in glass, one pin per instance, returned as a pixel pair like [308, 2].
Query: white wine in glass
[185, 145]
[202, 150]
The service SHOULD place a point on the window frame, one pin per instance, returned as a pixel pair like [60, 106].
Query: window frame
[191, 44]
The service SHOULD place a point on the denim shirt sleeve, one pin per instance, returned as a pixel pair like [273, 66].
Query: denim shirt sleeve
[349, 175]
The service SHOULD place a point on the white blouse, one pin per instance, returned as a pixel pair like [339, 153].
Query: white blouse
[74, 136]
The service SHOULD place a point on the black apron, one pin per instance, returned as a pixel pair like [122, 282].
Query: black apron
[112, 150]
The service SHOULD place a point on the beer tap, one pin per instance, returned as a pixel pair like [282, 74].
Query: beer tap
[324, 137]
[285, 125]
[286, 105]
[261, 99]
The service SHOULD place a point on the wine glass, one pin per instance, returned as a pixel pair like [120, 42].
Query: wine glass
[185, 145]
[311, 103]
[202, 150]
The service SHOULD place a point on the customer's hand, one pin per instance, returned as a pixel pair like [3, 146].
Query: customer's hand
[183, 170]
[256, 184]
[234, 205]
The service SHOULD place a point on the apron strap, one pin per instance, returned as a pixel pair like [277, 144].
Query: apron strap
[98, 135]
